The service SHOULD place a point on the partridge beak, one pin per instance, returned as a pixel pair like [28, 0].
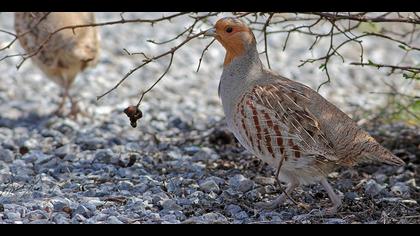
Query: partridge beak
[210, 32]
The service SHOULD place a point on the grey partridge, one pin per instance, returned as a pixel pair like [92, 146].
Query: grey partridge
[66, 53]
[285, 123]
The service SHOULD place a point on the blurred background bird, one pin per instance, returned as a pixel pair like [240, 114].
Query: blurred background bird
[64, 54]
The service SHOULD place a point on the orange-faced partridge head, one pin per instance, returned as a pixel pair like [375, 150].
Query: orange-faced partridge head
[285, 123]
[64, 54]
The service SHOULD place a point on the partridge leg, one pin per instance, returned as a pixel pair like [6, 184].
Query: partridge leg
[335, 199]
[60, 109]
[278, 201]
[75, 109]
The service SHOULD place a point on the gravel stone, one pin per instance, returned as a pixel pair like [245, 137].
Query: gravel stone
[13, 216]
[351, 196]
[373, 189]
[62, 151]
[241, 183]
[84, 211]
[60, 219]
[37, 215]
[104, 155]
[6, 155]
[114, 220]
[335, 221]
[232, 209]
[170, 205]
[400, 188]
[210, 186]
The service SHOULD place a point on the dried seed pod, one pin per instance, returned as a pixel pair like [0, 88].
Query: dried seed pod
[134, 114]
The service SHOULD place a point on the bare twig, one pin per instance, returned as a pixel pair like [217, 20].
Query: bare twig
[364, 18]
[415, 70]
[158, 80]
[16, 37]
[148, 60]
[267, 23]
[202, 54]
[189, 29]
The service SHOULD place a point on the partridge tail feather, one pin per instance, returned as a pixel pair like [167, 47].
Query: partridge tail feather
[379, 153]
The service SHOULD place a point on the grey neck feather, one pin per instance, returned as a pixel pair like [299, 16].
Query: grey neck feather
[240, 71]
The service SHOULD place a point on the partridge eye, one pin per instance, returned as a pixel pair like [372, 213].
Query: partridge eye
[229, 29]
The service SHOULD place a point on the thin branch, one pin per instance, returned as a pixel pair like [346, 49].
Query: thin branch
[202, 54]
[396, 94]
[189, 29]
[16, 37]
[135, 53]
[158, 80]
[267, 23]
[148, 60]
[363, 18]
[415, 70]
[328, 78]
[7, 32]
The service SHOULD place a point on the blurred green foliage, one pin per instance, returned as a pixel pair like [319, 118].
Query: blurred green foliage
[405, 110]
[370, 27]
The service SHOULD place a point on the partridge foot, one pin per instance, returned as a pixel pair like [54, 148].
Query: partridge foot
[271, 205]
[278, 201]
[335, 199]
[331, 211]
[305, 206]
[75, 111]
[60, 109]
